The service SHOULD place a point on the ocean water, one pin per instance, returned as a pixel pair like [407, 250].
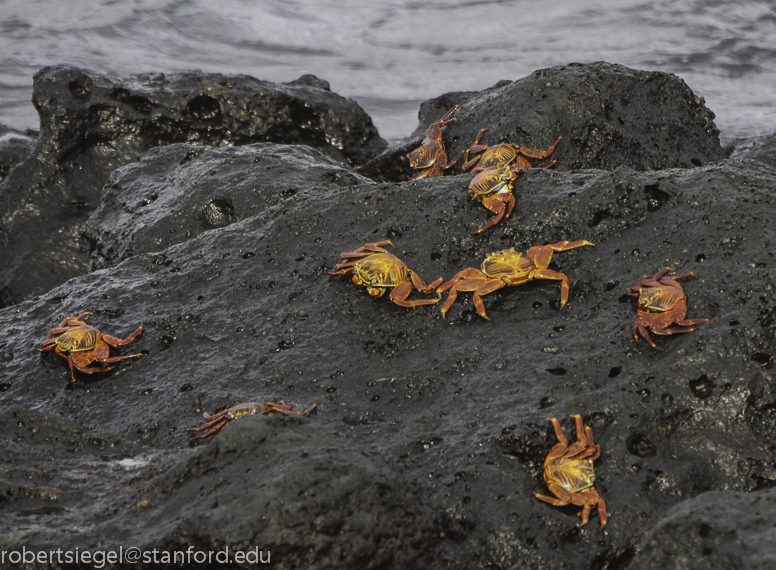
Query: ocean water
[391, 55]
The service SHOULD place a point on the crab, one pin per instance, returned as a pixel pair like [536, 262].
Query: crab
[217, 422]
[494, 187]
[378, 270]
[569, 474]
[495, 178]
[430, 159]
[503, 153]
[81, 345]
[509, 267]
[662, 303]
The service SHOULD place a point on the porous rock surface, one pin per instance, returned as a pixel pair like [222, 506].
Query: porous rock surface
[429, 440]
[173, 193]
[608, 115]
[719, 529]
[92, 124]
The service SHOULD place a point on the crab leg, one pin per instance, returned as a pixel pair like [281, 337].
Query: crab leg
[585, 513]
[523, 164]
[565, 284]
[474, 148]
[402, 291]
[92, 369]
[674, 330]
[112, 359]
[216, 429]
[537, 152]
[74, 321]
[115, 341]
[469, 279]
[421, 286]
[559, 432]
[366, 249]
[640, 329]
[557, 490]
[65, 325]
[500, 204]
[602, 515]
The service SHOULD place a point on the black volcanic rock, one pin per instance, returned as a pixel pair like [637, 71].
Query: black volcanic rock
[13, 151]
[761, 149]
[430, 433]
[716, 530]
[92, 124]
[429, 439]
[608, 115]
[174, 193]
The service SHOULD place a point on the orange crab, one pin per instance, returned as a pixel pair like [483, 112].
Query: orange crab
[495, 178]
[378, 270]
[503, 153]
[217, 422]
[430, 159]
[568, 471]
[509, 267]
[662, 303]
[494, 186]
[81, 344]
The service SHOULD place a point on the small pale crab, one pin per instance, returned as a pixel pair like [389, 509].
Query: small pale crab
[506, 268]
[378, 270]
[569, 473]
[662, 303]
[430, 159]
[81, 345]
[217, 422]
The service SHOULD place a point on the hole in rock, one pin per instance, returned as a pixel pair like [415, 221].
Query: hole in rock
[655, 197]
[599, 217]
[547, 402]
[702, 387]
[761, 358]
[640, 446]
[393, 234]
[206, 109]
[137, 102]
[217, 213]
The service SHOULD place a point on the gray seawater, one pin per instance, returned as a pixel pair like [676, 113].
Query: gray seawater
[392, 54]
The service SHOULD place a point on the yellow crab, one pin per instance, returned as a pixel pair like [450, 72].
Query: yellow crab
[509, 267]
[568, 471]
[378, 270]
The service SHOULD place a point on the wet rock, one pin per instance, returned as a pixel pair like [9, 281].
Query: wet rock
[716, 530]
[92, 124]
[447, 415]
[174, 193]
[761, 149]
[429, 440]
[337, 499]
[609, 116]
[15, 146]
